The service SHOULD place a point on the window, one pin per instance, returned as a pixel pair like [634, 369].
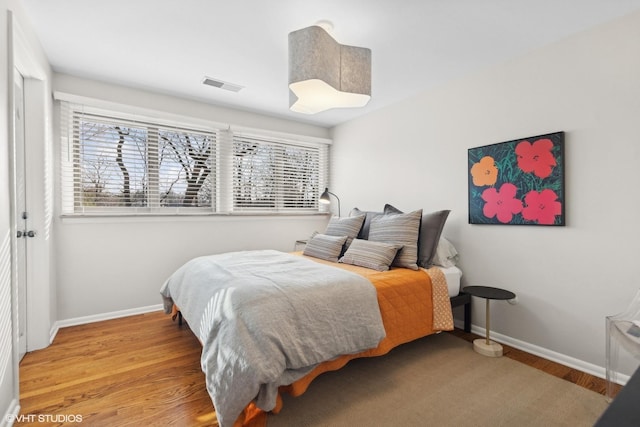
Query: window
[123, 164]
[275, 175]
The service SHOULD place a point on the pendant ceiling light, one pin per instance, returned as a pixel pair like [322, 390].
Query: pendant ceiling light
[324, 74]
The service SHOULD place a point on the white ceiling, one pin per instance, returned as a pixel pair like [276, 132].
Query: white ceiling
[169, 46]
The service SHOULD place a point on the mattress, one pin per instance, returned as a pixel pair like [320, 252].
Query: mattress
[453, 276]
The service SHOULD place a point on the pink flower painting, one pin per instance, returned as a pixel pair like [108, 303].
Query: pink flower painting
[542, 207]
[501, 203]
[536, 157]
[518, 182]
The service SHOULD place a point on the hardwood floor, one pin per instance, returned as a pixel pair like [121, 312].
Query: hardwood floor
[145, 370]
[138, 370]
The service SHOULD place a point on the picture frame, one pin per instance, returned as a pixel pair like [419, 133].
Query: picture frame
[519, 182]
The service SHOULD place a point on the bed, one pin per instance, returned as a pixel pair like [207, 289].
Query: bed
[270, 322]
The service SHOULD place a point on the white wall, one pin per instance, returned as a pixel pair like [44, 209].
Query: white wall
[567, 279]
[108, 265]
[21, 50]
[113, 265]
[8, 364]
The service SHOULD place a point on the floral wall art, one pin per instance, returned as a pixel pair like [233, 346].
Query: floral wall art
[518, 182]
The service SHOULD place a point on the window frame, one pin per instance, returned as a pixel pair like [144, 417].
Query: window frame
[222, 199]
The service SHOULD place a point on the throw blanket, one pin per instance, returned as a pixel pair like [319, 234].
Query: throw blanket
[267, 318]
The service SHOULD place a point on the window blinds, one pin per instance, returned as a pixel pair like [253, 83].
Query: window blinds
[115, 163]
[276, 175]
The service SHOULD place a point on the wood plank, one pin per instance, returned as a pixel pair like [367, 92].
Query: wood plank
[138, 370]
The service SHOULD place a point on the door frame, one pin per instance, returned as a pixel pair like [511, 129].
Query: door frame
[19, 203]
[40, 303]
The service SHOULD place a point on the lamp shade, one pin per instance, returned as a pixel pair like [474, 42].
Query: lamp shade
[324, 74]
[324, 198]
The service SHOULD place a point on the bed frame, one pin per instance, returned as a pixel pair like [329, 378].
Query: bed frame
[461, 299]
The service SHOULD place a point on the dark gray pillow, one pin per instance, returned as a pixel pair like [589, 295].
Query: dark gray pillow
[346, 226]
[431, 227]
[364, 231]
[370, 254]
[401, 229]
[325, 247]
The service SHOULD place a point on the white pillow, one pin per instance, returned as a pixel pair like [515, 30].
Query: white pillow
[446, 254]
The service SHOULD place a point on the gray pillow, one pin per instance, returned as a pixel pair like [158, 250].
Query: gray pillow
[369, 254]
[346, 226]
[364, 231]
[431, 226]
[325, 247]
[400, 229]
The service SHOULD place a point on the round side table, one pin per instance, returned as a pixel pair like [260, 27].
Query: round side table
[485, 346]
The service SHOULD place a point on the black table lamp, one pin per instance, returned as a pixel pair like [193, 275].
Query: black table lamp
[324, 198]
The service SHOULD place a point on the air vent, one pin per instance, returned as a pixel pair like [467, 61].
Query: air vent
[221, 84]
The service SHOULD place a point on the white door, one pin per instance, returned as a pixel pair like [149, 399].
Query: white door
[20, 214]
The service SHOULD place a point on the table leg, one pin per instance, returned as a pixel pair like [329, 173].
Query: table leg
[484, 345]
[467, 317]
[488, 341]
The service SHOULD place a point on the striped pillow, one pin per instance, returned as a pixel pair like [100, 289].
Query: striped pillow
[399, 229]
[347, 226]
[430, 231]
[375, 255]
[325, 247]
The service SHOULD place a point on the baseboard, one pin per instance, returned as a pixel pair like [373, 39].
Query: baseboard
[563, 359]
[53, 332]
[12, 413]
[103, 316]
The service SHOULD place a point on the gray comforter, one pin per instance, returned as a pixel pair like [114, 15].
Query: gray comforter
[266, 318]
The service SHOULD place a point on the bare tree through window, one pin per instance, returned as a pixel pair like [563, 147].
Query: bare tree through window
[128, 166]
[121, 163]
[268, 175]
